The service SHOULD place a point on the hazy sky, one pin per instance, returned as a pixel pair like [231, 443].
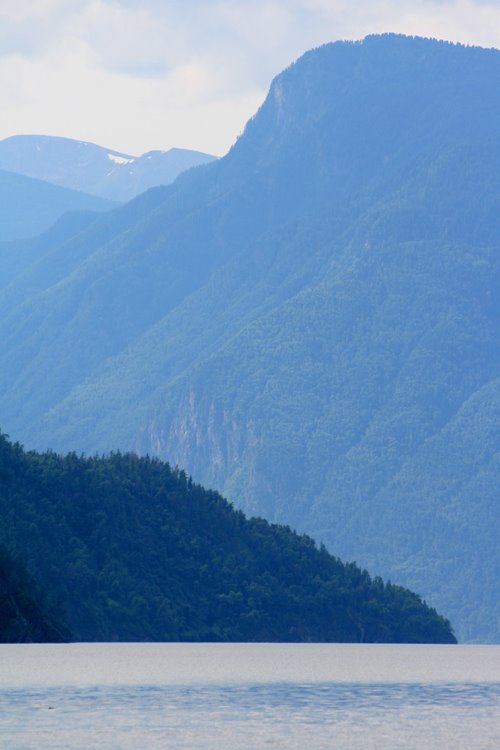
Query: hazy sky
[141, 74]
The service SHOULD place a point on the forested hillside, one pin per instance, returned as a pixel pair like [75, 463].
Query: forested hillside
[132, 550]
[309, 325]
[24, 614]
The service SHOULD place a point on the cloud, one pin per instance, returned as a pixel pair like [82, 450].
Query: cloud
[140, 74]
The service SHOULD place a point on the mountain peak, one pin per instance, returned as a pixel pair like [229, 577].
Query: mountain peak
[84, 166]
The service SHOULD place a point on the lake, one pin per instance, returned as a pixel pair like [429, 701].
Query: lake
[251, 696]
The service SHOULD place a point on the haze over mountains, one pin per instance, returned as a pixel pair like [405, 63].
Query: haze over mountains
[29, 207]
[309, 325]
[80, 165]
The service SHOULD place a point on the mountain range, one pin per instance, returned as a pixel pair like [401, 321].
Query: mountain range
[309, 324]
[84, 166]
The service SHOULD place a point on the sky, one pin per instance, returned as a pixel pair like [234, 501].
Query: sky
[136, 75]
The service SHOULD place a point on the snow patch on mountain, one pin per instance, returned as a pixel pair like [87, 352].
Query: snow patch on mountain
[119, 159]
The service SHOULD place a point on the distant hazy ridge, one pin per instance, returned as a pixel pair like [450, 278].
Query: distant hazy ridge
[93, 169]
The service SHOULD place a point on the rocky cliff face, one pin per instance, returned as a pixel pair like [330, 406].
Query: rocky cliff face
[210, 440]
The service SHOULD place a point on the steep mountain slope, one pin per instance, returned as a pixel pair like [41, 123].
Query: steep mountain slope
[135, 551]
[309, 324]
[84, 166]
[29, 207]
[16, 257]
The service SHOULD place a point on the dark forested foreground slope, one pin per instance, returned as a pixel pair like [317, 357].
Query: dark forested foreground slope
[132, 550]
[24, 614]
[309, 324]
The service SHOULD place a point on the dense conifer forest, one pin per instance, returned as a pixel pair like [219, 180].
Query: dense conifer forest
[129, 549]
[24, 614]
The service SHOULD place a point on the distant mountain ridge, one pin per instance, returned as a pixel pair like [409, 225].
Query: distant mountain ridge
[84, 166]
[30, 206]
[310, 324]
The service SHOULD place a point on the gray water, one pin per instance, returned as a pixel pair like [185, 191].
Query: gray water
[251, 696]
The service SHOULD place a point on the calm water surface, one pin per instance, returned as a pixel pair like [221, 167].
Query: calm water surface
[251, 696]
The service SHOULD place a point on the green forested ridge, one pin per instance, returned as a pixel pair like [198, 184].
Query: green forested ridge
[133, 550]
[310, 324]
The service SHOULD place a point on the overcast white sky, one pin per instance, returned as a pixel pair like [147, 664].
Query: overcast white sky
[141, 74]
